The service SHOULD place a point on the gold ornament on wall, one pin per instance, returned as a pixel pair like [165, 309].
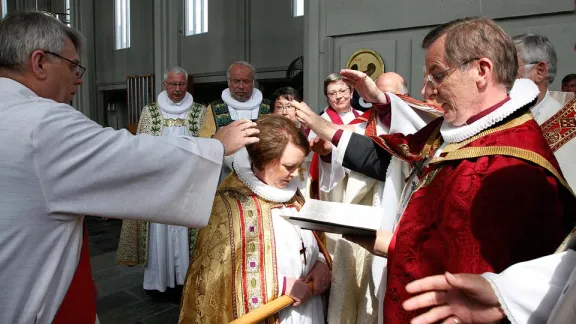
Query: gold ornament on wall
[367, 61]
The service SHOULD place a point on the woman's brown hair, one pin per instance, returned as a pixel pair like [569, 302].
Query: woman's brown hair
[275, 134]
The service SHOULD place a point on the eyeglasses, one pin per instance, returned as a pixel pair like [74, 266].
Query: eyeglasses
[437, 78]
[341, 92]
[173, 85]
[531, 63]
[237, 82]
[79, 69]
[282, 108]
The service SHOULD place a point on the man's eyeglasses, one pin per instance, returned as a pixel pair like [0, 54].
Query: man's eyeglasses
[437, 78]
[341, 92]
[237, 82]
[78, 69]
[173, 85]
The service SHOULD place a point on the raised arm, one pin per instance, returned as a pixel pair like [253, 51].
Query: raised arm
[85, 169]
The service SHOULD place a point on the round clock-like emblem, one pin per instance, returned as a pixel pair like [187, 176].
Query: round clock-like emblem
[367, 61]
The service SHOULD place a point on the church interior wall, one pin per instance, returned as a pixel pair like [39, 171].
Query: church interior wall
[262, 32]
[397, 38]
[113, 66]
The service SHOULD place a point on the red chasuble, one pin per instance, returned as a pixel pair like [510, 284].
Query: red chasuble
[481, 206]
[79, 303]
[315, 163]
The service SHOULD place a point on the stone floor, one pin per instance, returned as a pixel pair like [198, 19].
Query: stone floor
[121, 299]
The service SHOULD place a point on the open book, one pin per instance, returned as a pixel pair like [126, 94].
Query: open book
[339, 218]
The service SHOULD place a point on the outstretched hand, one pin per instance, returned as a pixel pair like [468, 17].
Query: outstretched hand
[317, 124]
[365, 86]
[464, 298]
[236, 135]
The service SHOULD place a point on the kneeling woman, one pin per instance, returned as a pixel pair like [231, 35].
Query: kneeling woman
[249, 255]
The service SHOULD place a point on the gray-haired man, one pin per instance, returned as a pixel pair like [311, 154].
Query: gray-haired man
[56, 166]
[166, 251]
[554, 110]
[240, 100]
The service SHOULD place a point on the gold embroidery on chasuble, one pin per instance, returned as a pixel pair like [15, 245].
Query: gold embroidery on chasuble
[234, 269]
[561, 127]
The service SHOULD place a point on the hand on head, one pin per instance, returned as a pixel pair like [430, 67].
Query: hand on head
[236, 135]
[461, 298]
[365, 86]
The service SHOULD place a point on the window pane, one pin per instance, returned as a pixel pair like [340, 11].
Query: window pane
[297, 8]
[68, 13]
[122, 23]
[4, 8]
[196, 17]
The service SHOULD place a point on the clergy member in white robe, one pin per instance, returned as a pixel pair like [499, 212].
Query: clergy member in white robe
[537, 61]
[249, 255]
[339, 112]
[165, 252]
[57, 165]
[241, 100]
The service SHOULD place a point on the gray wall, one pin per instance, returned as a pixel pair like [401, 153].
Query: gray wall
[260, 31]
[395, 30]
[113, 66]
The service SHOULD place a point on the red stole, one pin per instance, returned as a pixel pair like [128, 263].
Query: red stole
[369, 117]
[315, 163]
[79, 303]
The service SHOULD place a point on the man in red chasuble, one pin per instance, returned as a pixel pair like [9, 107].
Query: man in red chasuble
[485, 190]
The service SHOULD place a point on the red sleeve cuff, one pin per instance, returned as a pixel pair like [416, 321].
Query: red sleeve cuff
[326, 158]
[284, 287]
[337, 136]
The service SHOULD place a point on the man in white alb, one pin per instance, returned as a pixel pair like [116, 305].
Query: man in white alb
[554, 109]
[57, 165]
[166, 249]
[241, 100]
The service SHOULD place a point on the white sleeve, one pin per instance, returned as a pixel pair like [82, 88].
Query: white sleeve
[528, 291]
[85, 169]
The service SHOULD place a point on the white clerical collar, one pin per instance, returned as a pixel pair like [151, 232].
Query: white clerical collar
[523, 92]
[175, 108]
[243, 169]
[250, 104]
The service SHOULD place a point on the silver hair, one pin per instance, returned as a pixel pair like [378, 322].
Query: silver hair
[403, 88]
[22, 33]
[175, 70]
[536, 48]
[243, 63]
